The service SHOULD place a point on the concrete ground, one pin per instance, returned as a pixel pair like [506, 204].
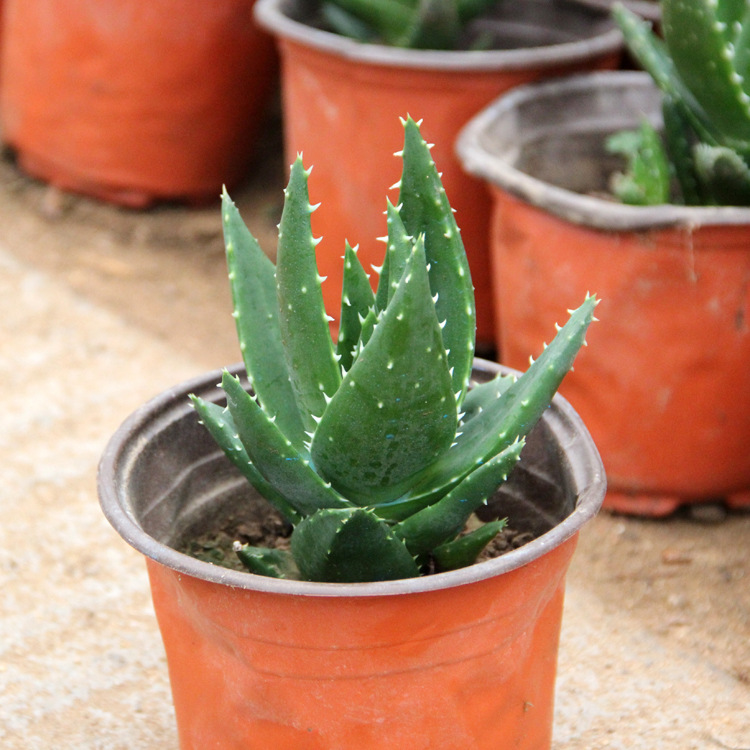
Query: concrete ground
[102, 308]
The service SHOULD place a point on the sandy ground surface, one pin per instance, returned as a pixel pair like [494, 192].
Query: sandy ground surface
[100, 309]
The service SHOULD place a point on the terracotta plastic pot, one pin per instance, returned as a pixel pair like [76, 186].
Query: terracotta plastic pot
[664, 384]
[464, 659]
[343, 100]
[135, 102]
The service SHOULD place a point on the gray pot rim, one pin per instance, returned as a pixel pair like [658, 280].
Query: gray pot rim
[564, 420]
[270, 15]
[577, 208]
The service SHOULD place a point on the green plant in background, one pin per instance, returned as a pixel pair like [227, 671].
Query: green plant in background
[702, 66]
[647, 179]
[422, 24]
[375, 449]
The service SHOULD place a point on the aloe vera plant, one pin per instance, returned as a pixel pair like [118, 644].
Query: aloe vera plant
[375, 448]
[702, 66]
[422, 24]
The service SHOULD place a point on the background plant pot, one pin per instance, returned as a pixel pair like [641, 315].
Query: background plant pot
[464, 659]
[342, 103]
[663, 386]
[135, 102]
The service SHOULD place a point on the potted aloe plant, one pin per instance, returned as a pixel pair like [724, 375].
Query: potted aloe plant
[675, 346]
[439, 61]
[378, 465]
[706, 110]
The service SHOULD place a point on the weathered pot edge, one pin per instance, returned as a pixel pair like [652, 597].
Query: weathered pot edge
[575, 207]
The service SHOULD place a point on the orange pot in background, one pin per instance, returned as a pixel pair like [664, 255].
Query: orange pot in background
[664, 386]
[135, 102]
[463, 660]
[343, 100]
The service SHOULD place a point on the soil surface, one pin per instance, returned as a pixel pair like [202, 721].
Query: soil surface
[217, 544]
[100, 309]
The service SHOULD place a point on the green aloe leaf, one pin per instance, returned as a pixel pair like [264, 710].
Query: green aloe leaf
[368, 327]
[345, 23]
[444, 520]
[436, 25]
[395, 411]
[679, 137]
[399, 245]
[424, 208]
[481, 395]
[421, 24]
[357, 300]
[646, 181]
[278, 461]
[505, 419]
[253, 284]
[311, 360]
[741, 44]
[218, 421]
[728, 13]
[653, 56]
[696, 40]
[350, 545]
[458, 553]
[468, 9]
[391, 19]
[274, 563]
[723, 174]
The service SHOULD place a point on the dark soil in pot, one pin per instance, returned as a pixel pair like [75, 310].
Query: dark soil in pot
[530, 500]
[214, 542]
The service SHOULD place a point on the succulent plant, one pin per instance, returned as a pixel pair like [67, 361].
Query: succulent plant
[702, 66]
[422, 24]
[376, 449]
[647, 179]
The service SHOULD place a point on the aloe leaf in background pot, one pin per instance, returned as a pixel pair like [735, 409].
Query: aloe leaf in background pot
[646, 181]
[702, 66]
[419, 24]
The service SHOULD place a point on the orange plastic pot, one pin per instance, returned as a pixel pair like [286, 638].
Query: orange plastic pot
[664, 384]
[135, 102]
[453, 661]
[342, 103]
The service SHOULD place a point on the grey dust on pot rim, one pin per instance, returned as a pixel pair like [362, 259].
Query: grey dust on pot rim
[391, 459]
[546, 143]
